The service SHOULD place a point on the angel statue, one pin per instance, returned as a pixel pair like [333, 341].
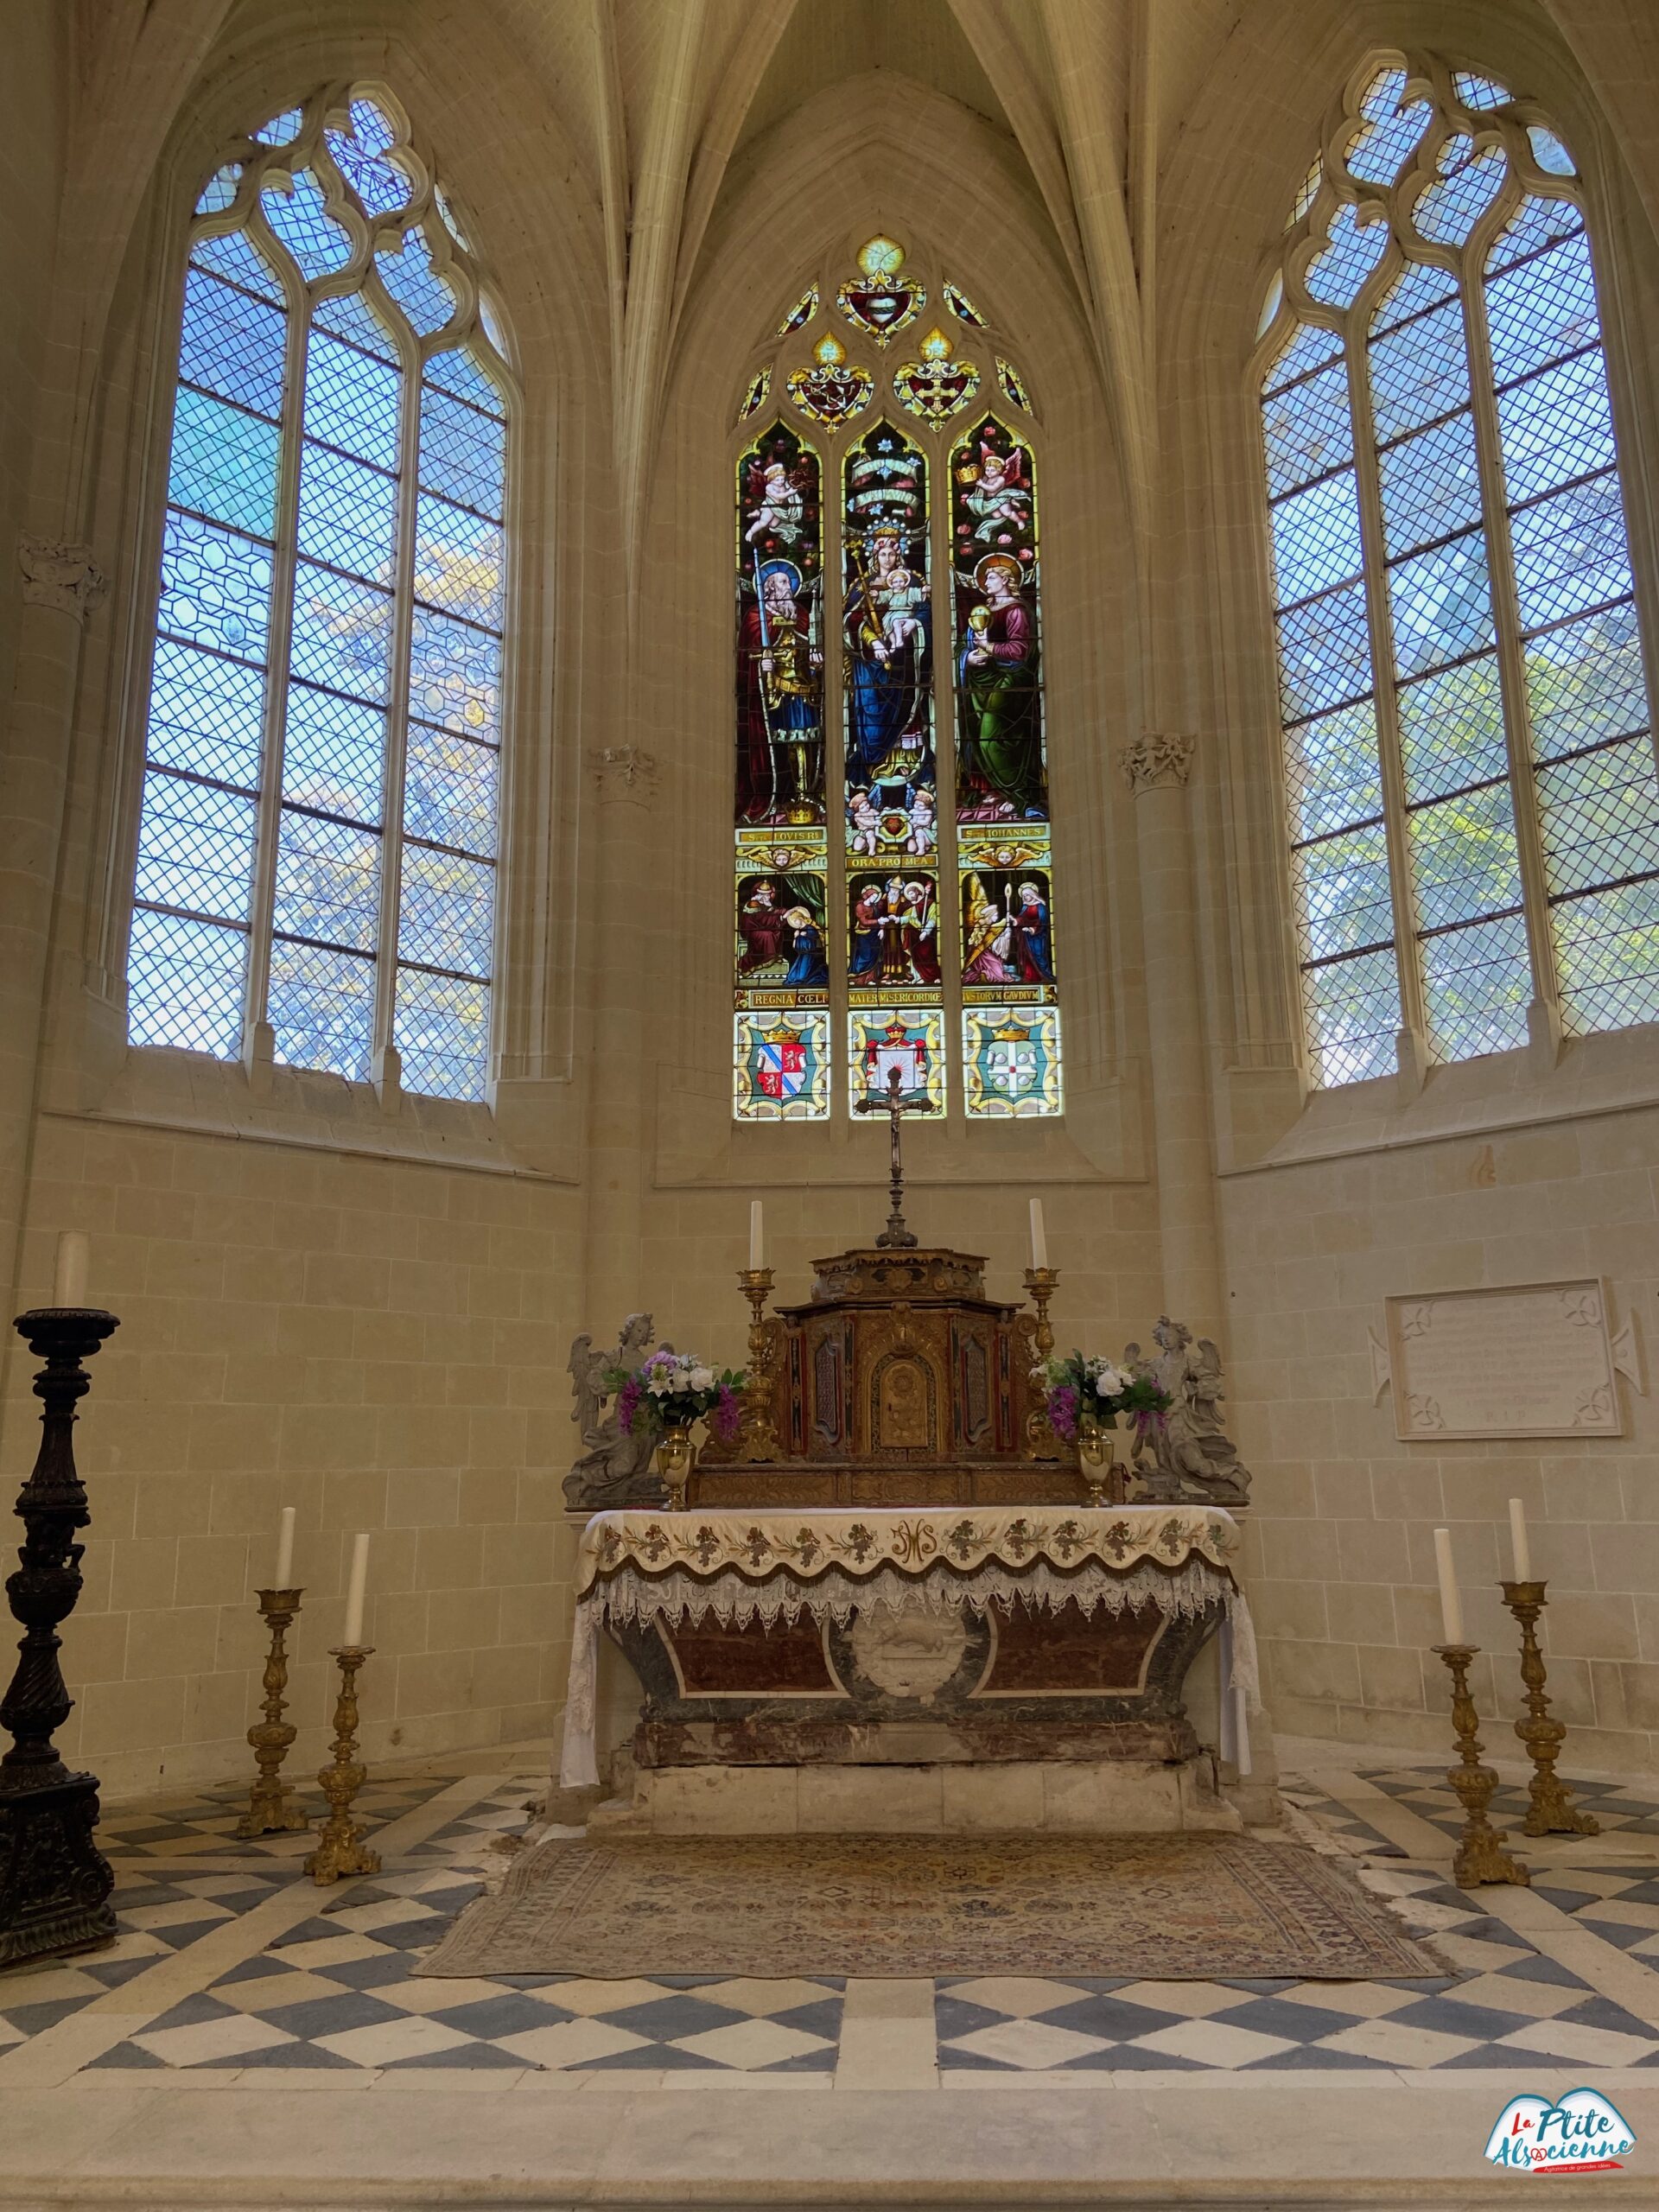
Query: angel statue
[1187, 1455]
[617, 1470]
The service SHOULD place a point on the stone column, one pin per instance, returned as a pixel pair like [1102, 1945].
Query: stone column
[1156, 768]
[62, 586]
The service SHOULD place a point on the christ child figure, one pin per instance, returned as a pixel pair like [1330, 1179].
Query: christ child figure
[903, 596]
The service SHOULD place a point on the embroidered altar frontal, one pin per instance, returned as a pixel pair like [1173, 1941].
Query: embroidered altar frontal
[925, 1636]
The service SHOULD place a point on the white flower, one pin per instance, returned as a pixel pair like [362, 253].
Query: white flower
[659, 1382]
[1110, 1381]
[703, 1378]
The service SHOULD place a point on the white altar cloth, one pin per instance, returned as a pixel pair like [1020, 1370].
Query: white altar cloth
[633, 1566]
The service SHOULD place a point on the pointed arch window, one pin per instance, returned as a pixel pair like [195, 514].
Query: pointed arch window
[317, 848]
[889, 592]
[1468, 759]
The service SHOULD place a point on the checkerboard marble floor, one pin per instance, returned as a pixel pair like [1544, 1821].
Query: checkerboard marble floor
[230, 1964]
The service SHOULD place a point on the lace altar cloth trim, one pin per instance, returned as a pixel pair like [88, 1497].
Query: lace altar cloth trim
[918, 1541]
[731, 1598]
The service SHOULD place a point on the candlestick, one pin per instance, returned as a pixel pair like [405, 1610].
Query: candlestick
[1450, 1603]
[1479, 1860]
[54, 1882]
[1038, 1238]
[272, 1809]
[1550, 1810]
[1518, 1541]
[759, 1435]
[757, 1239]
[340, 1849]
[1041, 1443]
[69, 1282]
[354, 1594]
[285, 1549]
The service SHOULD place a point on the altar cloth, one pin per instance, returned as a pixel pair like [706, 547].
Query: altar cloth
[639, 1566]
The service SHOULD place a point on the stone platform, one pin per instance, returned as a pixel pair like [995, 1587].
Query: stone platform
[1117, 1796]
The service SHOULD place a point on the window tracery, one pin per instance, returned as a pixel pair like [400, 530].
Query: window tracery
[319, 834]
[922, 930]
[1473, 812]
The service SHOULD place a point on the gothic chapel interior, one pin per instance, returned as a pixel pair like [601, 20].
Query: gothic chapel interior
[640, 636]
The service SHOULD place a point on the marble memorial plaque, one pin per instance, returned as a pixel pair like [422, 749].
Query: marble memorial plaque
[1534, 1360]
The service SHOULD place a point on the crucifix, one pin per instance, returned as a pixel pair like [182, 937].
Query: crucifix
[893, 1105]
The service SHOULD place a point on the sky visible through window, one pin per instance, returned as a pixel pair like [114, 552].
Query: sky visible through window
[319, 833]
[1473, 814]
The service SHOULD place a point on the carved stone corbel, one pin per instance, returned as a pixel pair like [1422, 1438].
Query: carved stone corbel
[1156, 760]
[62, 576]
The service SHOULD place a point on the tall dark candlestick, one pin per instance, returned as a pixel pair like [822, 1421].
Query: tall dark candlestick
[54, 1882]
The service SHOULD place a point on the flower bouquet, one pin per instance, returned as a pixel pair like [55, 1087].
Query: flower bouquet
[1083, 1398]
[664, 1397]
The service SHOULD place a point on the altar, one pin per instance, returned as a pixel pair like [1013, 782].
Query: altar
[895, 1598]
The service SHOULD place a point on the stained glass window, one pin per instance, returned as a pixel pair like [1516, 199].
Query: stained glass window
[1473, 811]
[318, 841]
[923, 943]
[780, 902]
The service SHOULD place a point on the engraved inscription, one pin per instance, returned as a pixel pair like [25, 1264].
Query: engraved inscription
[1532, 1361]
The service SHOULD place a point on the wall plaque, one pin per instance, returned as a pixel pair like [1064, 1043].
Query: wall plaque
[1535, 1359]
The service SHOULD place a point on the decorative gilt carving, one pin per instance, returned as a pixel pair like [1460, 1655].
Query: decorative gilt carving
[1157, 759]
[60, 575]
[624, 772]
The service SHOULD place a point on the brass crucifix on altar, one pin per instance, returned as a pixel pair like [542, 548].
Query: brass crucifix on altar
[894, 1104]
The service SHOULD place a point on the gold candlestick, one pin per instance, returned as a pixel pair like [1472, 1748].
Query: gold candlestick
[272, 1807]
[1041, 1443]
[1550, 1810]
[1479, 1859]
[759, 1435]
[339, 1848]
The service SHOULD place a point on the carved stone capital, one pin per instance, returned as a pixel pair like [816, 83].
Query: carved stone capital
[1156, 760]
[62, 576]
[624, 772]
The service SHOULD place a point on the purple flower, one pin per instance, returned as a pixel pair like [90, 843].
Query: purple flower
[627, 1403]
[1063, 1410]
[727, 1416]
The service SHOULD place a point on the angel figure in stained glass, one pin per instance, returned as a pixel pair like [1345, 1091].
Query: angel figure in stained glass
[777, 501]
[999, 499]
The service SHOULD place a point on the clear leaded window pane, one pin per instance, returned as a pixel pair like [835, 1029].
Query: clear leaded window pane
[326, 464]
[1495, 563]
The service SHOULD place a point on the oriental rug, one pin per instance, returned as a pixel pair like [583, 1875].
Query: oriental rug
[1170, 1908]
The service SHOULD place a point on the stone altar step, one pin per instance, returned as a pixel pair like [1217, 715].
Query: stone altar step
[1108, 1797]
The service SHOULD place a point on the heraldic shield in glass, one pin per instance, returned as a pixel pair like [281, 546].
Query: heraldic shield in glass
[781, 961]
[1010, 996]
[893, 975]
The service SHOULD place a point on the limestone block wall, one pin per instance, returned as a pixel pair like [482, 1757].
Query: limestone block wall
[1341, 1548]
[381, 1344]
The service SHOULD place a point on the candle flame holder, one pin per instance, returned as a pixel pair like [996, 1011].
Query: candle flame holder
[1479, 1860]
[1041, 1443]
[1550, 1810]
[340, 1849]
[758, 1446]
[272, 1808]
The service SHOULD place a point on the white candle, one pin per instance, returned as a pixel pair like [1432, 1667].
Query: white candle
[354, 1595]
[1451, 1604]
[69, 1284]
[285, 1549]
[1518, 1541]
[757, 1240]
[1038, 1239]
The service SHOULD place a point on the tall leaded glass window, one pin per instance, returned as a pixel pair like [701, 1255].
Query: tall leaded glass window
[1470, 771]
[921, 931]
[318, 842]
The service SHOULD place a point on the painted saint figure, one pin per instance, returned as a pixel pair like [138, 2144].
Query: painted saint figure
[999, 764]
[887, 626]
[781, 758]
